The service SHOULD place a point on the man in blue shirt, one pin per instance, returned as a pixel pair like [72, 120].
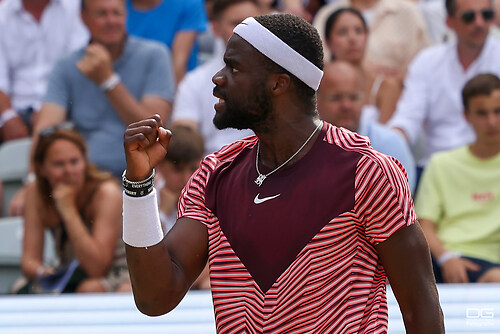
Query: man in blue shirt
[175, 23]
[340, 97]
[114, 81]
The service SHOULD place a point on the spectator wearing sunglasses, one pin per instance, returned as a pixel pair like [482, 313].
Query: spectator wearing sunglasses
[434, 13]
[430, 108]
[81, 206]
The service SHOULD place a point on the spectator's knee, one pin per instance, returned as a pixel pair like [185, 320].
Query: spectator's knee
[90, 286]
[491, 276]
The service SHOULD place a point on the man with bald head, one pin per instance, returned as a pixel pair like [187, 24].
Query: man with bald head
[340, 102]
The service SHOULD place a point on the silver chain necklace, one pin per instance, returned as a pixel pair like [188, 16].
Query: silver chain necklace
[262, 177]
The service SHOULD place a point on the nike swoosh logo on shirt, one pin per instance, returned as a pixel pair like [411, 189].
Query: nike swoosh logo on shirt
[258, 200]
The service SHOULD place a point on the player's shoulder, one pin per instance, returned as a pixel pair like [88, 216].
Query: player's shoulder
[346, 139]
[370, 160]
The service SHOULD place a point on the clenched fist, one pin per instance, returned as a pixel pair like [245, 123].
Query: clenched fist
[145, 144]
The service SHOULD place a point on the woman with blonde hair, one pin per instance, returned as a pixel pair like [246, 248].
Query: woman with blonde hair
[81, 206]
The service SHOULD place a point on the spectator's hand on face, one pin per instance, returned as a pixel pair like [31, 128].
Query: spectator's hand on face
[96, 64]
[455, 270]
[64, 197]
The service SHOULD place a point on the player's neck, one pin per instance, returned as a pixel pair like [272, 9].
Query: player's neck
[286, 139]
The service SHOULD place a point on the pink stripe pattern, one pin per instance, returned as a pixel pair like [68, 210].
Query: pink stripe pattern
[336, 284]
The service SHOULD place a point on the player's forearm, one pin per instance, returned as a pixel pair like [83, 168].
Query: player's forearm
[129, 109]
[162, 268]
[406, 259]
[427, 316]
[419, 301]
[158, 284]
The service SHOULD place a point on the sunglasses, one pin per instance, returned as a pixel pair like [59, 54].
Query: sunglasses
[470, 15]
[52, 129]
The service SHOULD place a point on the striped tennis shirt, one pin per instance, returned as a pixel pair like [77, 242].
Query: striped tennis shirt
[297, 255]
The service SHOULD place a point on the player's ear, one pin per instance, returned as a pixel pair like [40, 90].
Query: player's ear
[280, 83]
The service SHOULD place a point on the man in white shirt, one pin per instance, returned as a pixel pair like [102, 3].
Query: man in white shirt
[430, 102]
[194, 102]
[34, 34]
[434, 12]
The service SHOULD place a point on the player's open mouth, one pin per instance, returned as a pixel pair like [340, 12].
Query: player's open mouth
[220, 105]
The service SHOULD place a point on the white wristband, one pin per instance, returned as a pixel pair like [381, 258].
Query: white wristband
[141, 220]
[448, 255]
[110, 83]
[6, 116]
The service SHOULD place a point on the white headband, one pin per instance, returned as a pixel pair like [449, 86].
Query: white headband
[278, 51]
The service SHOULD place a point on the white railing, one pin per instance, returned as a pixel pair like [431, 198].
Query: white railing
[468, 308]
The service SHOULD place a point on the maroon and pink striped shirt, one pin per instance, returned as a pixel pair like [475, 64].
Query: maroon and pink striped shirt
[297, 254]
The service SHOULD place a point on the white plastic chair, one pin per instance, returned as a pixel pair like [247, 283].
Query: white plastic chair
[11, 246]
[14, 164]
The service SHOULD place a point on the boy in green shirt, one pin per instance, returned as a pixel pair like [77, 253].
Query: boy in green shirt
[458, 201]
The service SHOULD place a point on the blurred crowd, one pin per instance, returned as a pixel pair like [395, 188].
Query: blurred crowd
[419, 78]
